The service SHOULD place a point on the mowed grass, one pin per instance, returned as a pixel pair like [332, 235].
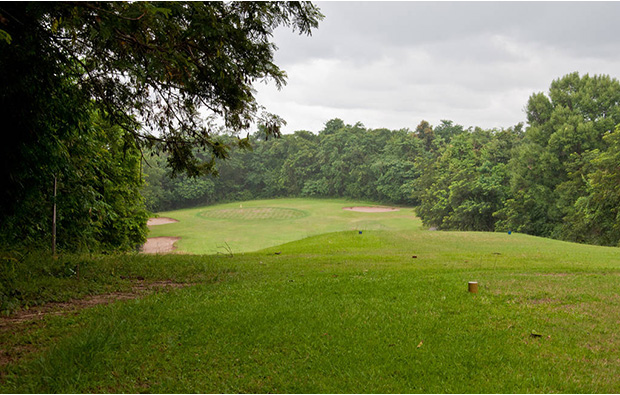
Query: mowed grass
[253, 225]
[350, 313]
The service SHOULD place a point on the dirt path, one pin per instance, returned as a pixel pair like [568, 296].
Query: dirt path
[160, 245]
[141, 288]
[375, 209]
[26, 320]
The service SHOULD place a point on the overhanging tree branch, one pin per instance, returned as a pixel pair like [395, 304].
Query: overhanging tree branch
[192, 57]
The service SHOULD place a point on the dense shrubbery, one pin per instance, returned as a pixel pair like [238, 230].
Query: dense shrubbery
[98, 203]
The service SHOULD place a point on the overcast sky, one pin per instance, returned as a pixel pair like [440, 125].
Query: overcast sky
[393, 64]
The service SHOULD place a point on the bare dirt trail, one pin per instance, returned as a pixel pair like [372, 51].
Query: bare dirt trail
[27, 319]
[31, 319]
[140, 288]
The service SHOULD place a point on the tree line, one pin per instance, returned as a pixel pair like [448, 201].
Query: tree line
[341, 161]
[556, 176]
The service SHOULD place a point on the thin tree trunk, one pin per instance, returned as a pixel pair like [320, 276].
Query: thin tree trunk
[54, 222]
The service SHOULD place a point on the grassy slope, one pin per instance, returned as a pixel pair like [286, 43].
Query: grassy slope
[204, 232]
[344, 312]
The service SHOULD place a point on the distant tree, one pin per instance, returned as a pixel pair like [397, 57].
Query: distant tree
[446, 130]
[300, 164]
[332, 126]
[424, 131]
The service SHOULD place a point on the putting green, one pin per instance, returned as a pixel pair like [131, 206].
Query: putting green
[255, 213]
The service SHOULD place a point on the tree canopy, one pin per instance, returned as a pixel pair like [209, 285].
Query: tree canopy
[555, 170]
[162, 71]
[341, 161]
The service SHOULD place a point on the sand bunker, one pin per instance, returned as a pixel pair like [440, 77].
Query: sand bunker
[371, 209]
[159, 245]
[160, 221]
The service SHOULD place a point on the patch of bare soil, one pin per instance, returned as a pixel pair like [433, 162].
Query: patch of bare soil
[160, 221]
[375, 209]
[160, 245]
[540, 301]
[23, 319]
[141, 288]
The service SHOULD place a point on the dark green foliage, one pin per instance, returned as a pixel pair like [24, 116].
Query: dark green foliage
[556, 174]
[558, 179]
[466, 181]
[554, 180]
[596, 215]
[98, 201]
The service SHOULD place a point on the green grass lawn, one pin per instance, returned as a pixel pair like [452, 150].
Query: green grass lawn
[343, 312]
[250, 226]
